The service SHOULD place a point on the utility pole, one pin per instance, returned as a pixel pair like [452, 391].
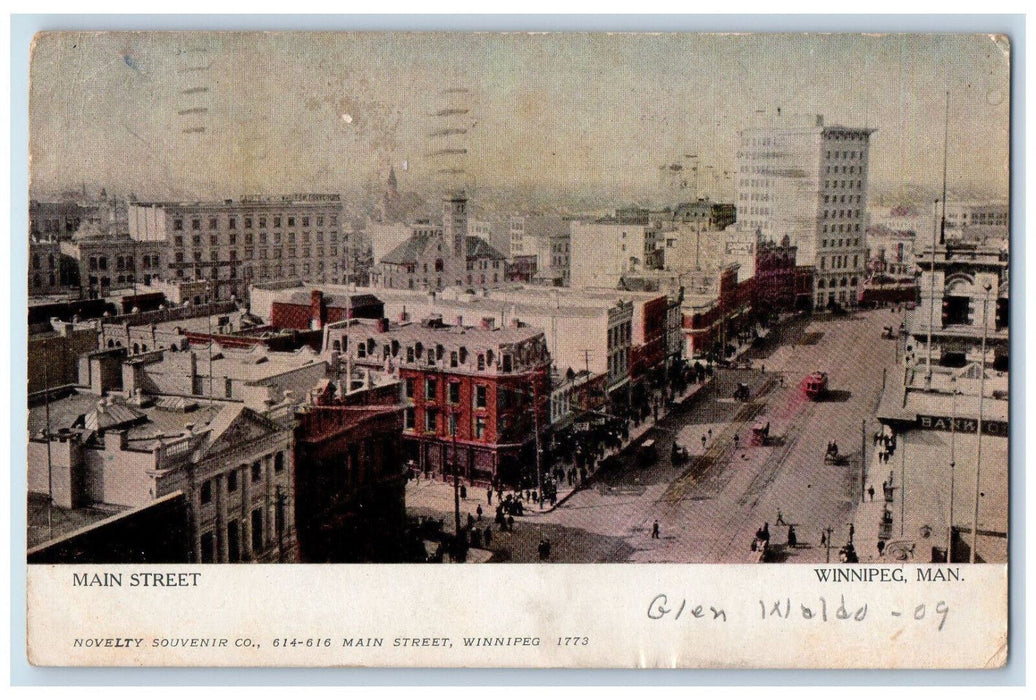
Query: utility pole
[902, 491]
[456, 478]
[208, 324]
[828, 532]
[981, 402]
[863, 457]
[931, 298]
[953, 468]
[536, 433]
[46, 436]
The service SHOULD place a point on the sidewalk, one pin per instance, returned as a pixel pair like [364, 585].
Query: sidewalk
[437, 495]
[869, 519]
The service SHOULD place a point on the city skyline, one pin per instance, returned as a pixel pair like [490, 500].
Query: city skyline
[219, 115]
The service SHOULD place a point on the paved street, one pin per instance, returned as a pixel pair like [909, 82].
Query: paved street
[710, 507]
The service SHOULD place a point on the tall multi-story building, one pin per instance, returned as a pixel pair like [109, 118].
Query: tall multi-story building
[800, 178]
[235, 243]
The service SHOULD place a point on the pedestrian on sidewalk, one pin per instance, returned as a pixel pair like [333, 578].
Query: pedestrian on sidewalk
[510, 523]
[654, 531]
[852, 531]
[488, 536]
[489, 496]
[870, 492]
[780, 518]
[881, 548]
[737, 440]
[478, 512]
[710, 433]
[703, 440]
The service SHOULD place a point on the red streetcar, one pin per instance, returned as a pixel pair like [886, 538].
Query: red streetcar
[815, 385]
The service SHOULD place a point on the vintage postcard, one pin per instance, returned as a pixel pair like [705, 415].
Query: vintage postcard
[521, 350]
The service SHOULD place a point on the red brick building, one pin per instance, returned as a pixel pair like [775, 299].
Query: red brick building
[714, 319]
[350, 475]
[780, 285]
[473, 387]
[316, 310]
[652, 352]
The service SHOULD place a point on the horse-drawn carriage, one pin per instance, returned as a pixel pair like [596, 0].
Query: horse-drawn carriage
[832, 456]
[761, 433]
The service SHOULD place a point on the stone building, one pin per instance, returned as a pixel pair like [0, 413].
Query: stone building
[797, 177]
[233, 244]
[436, 255]
[234, 467]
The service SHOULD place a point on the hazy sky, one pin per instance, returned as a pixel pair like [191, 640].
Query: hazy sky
[208, 114]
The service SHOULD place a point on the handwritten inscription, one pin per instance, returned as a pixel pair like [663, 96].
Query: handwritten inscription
[660, 608]
[822, 611]
[819, 609]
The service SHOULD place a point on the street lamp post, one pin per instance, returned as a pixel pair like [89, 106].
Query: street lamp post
[981, 401]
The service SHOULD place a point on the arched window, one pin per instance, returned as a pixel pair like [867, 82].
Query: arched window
[111, 343]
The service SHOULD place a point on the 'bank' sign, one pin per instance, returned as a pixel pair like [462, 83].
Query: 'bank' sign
[963, 425]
